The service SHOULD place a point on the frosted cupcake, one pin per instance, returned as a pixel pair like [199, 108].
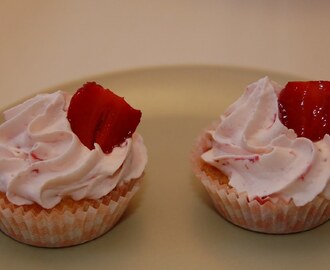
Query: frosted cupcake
[69, 166]
[262, 162]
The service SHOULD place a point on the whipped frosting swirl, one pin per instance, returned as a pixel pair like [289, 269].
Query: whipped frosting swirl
[42, 161]
[264, 158]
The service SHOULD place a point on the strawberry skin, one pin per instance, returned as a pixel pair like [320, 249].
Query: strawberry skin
[305, 108]
[97, 115]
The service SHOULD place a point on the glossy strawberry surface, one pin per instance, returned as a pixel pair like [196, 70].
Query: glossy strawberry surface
[305, 108]
[97, 115]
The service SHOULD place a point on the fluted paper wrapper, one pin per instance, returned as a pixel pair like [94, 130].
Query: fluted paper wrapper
[273, 215]
[68, 223]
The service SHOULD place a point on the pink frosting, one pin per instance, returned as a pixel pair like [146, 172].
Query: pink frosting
[43, 161]
[261, 156]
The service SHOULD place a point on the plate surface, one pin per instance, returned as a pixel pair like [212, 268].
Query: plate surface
[171, 223]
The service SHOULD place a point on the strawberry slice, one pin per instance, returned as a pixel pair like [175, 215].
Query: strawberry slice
[305, 108]
[97, 115]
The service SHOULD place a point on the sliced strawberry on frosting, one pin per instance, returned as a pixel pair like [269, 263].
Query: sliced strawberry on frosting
[305, 108]
[97, 115]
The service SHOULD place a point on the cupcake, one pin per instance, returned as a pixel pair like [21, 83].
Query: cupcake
[266, 162]
[69, 166]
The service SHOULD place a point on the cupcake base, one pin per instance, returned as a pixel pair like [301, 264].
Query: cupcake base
[68, 223]
[268, 215]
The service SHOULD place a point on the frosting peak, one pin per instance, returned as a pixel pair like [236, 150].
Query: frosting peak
[43, 161]
[261, 156]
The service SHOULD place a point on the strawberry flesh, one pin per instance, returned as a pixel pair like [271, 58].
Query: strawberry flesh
[305, 108]
[262, 200]
[97, 115]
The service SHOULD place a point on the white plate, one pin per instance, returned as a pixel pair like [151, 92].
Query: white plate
[171, 223]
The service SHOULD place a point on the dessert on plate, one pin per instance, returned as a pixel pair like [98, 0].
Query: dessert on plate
[266, 162]
[70, 164]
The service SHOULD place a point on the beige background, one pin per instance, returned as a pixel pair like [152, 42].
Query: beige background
[45, 43]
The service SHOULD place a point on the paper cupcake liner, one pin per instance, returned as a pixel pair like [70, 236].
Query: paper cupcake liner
[273, 215]
[68, 223]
